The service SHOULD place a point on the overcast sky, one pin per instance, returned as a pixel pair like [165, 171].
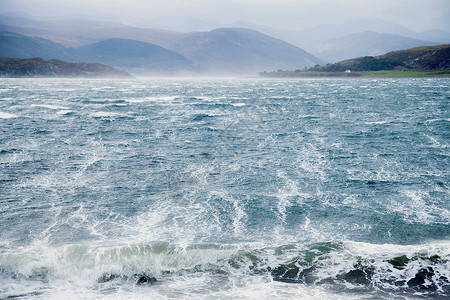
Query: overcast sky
[187, 15]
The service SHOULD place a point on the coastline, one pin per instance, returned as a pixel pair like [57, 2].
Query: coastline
[362, 74]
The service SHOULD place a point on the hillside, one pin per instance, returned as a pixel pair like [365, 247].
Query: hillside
[226, 50]
[74, 33]
[336, 42]
[38, 67]
[420, 61]
[134, 55]
[426, 58]
[325, 33]
[20, 46]
[139, 57]
[238, 50]
[423, 58]
[368, 43]
[333, 31]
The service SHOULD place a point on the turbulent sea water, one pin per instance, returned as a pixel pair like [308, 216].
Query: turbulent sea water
[225, 189]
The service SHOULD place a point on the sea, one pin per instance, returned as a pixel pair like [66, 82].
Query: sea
[225, 188]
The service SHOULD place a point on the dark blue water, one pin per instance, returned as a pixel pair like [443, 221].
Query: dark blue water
[225, 188]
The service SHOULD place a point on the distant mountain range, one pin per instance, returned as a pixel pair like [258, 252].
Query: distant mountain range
[335, 42]
[220, 51]
[19, 46]
[136, 56]
[237, 49]
[368, 43]
[38, 67]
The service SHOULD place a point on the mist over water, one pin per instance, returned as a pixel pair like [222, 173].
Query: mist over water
[225, 188]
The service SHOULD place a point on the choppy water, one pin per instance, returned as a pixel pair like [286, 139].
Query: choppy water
[230, 189]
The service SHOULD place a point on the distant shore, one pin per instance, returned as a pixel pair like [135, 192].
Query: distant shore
[312, 74]
[38, 67]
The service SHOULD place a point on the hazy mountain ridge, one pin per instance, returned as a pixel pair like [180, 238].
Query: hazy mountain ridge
[242, 50]
[134, 55]
[19, 46]
[335, 42]
[79, 32]
[222, 51]
[126, 54]
[38, 67]
[368, 43]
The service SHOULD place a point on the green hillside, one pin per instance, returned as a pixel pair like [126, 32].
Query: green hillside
[420, 61]
[426, 58]
[423, 58]
[38, 67]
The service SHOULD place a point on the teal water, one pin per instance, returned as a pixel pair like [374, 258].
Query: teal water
[225, 188]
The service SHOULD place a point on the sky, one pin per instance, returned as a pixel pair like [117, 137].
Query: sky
[188, 15]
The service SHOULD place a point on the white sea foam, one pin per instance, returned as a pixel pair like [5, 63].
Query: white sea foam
[417, 209]
[378, 122]
[105, 114]
[164, 203]
[64, 112]
[5, 115]
[434, 141]
[50, 106]
[288, 191]
[191, 270]
[151, 99]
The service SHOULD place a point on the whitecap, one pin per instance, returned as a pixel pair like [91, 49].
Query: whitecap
[150, 99]
[64, 112]
[49, 106]
[377, 122]
[101, 114]
[5, 115]
[135, 100]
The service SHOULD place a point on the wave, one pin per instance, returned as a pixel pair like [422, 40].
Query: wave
[108, 114]
[386, 269]
[49, 106]
[5, 115]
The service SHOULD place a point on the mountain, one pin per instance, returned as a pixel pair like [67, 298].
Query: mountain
[134, 55]
[225, 51]
[367, 43]
[426, 58]
[435, 35]
[19, 46]
[335, 42]
[38, 67]
[241, 50]
[332, 31]
[79, 32]
[178, 23]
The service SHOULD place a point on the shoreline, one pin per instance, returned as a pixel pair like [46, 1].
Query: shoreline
[362, 74]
